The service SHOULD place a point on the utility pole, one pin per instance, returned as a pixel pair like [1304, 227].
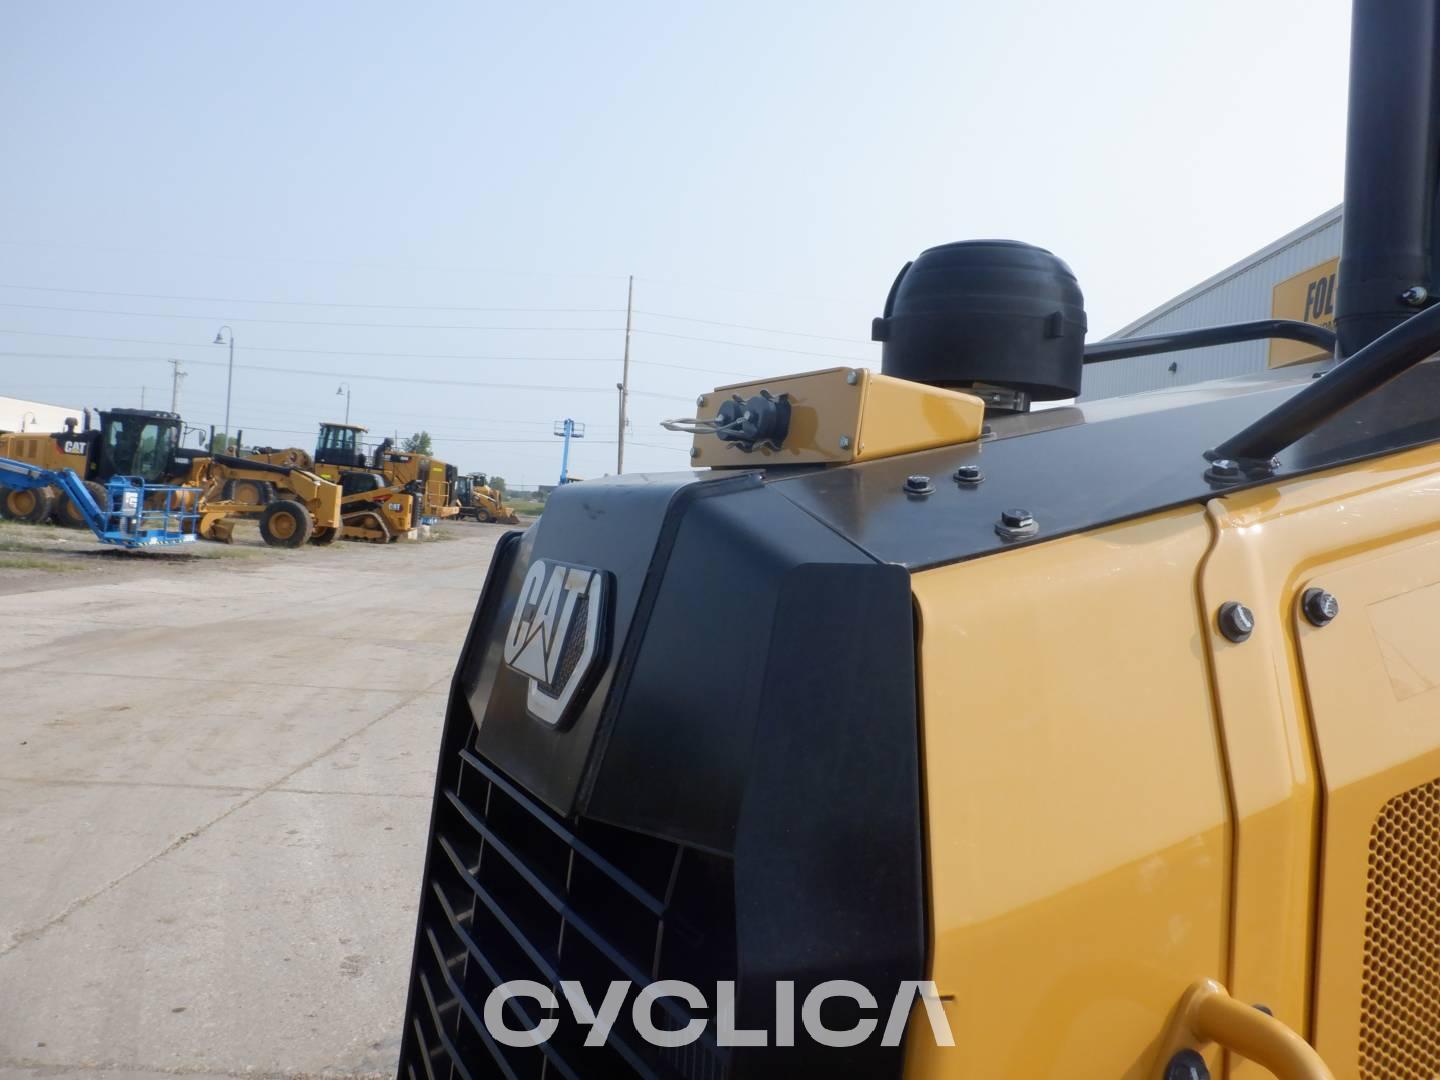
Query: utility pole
[175, 377]
[229, 379]
[625, 377]
[142, 397]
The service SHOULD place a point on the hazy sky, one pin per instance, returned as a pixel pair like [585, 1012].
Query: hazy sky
[363, 167]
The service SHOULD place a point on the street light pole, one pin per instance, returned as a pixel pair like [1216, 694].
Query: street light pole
[344, 388]
[625, 377]
[229, 382]
[175, 378]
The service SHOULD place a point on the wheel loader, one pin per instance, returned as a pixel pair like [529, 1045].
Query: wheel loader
[919, 732]
[479, 501]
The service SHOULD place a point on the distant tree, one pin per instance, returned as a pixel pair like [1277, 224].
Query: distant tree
[419, 443]
[222, 444]
[498, 483]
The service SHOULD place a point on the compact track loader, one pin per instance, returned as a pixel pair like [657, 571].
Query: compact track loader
[917, 733]
[338, 451]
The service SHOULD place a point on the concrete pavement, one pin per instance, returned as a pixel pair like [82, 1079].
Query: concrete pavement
[214, 789]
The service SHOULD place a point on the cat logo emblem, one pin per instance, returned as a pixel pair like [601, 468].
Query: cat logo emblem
[555, 634]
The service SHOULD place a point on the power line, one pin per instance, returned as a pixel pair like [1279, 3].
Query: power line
[314, 303]
[408, 379]
[376, 261]
[305, 322]
[361, 352]
[751, 345]
[747, 326]
[370, 306]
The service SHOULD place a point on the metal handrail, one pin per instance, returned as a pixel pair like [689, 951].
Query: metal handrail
[1372, 367]
[1230, 334]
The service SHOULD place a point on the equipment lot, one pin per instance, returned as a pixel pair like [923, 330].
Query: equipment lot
[215, 779]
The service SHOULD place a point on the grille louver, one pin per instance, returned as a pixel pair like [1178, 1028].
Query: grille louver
[515, 892]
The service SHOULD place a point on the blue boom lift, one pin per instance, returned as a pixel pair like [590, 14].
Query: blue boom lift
[136, 514]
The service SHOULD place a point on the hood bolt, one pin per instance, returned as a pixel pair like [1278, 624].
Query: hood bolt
[918, 485]
[969, 474]
[1319, 607]
[1236, 621]
[1016, 525]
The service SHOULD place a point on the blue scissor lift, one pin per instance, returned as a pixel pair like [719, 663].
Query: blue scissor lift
[136, 514]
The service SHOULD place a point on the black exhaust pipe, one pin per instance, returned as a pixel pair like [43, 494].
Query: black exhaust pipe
[1392, 142]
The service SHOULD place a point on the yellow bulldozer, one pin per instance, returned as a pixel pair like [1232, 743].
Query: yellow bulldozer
[478, 500]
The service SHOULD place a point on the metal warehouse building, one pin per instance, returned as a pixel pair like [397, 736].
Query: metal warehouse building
[1241, 293]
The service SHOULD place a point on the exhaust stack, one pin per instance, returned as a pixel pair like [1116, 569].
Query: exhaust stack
[1392, 143]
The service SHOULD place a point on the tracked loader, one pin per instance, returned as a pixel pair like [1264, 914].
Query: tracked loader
[338, 451]
[920, 733]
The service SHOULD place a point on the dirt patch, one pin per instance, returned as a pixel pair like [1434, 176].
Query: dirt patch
[39, 557]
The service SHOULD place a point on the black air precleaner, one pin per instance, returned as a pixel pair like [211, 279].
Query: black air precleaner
[991, 313]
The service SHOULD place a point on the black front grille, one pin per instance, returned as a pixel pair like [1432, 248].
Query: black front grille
[516, 892]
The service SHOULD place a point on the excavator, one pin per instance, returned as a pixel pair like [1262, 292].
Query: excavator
[919, 732]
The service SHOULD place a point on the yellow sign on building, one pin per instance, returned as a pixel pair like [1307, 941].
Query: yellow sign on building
[1309, 297]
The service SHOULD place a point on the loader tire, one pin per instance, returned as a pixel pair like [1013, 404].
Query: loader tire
[68, 515]
[252, 492]
[325, 537]
[31, 506]
[483, 514]
[286, 523]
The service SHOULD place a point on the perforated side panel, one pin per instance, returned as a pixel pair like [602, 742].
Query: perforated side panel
[1400, 1007]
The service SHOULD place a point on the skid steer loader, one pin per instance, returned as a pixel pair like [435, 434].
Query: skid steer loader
[917, 733]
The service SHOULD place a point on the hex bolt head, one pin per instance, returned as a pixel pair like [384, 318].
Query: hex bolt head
[969, 474]
[1016, 525]
[1224, 471]
[918, 485]
[1236, 621]
[852, 377]
[1415, 296]
[844, 442]
[1187, 1065]
[694, 451]
[700, 401]
[1319, 607]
